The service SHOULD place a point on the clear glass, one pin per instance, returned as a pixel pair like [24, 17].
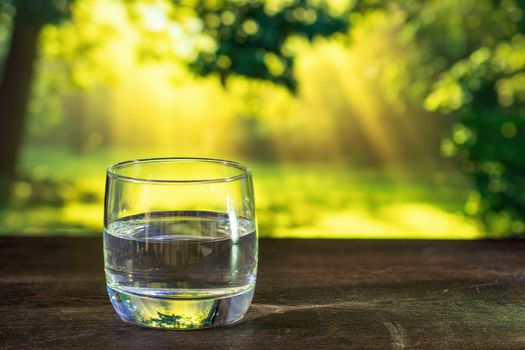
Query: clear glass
[180, 241]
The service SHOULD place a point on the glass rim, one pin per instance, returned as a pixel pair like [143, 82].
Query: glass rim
[246, 171]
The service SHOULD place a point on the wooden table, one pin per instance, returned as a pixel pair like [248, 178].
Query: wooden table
[311, 294]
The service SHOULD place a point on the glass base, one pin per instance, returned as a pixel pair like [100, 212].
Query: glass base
[180, 314]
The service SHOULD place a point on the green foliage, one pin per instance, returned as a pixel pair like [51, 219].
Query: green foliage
[466, 58]
[251, 37]
[486, 90]
[471, 63]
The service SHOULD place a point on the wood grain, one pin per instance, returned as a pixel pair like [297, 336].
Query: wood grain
[315, 294]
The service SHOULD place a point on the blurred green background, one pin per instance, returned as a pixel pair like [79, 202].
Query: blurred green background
[368, 119]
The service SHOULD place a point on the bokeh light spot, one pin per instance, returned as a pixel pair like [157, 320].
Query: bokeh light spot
[509, 130]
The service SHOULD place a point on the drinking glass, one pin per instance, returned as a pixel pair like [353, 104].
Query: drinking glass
[180, 241]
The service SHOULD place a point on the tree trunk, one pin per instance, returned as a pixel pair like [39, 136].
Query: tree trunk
[15, 87]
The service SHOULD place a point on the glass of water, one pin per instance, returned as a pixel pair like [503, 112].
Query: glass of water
[180, 241]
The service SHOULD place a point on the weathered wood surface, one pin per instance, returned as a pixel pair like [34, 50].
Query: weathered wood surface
[311, 294]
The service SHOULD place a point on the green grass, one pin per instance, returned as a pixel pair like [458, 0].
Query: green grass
[62, 193]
